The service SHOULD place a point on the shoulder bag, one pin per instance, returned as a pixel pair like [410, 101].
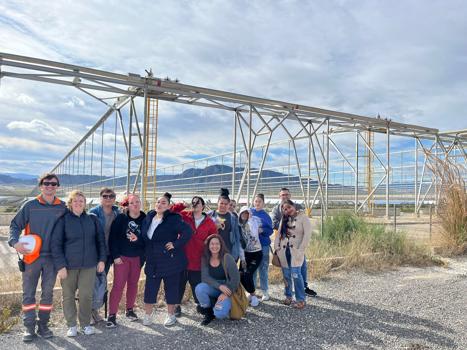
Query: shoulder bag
[238, 298]
[275, 259]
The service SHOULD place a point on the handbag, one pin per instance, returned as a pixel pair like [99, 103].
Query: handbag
[239, 300]
[275, 259]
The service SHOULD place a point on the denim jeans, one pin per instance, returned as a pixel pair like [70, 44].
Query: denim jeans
[303, 271]
[294, 274]
[263, 270]
[205, 292]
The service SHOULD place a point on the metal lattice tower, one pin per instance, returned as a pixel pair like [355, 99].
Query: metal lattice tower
[257, 125]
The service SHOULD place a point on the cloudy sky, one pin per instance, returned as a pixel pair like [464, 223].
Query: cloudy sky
[405, 60]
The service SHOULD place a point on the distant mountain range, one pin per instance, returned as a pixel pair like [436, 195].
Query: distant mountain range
[22, 176]
[21, 179]
[213, 173]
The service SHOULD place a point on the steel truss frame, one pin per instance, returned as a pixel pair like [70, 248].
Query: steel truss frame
[248, 112]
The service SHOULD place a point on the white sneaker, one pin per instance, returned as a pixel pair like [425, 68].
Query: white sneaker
[147, 320]
[170, 320]
[265, 296]
[72, 331]
[89, 330]
[254, 301]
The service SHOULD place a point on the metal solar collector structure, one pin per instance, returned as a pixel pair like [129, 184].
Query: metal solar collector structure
[328, 158]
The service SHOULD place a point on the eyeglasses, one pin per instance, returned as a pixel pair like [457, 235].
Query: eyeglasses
[108, 196]
[47, 183]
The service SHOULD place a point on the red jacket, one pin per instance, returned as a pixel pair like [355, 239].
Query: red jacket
[194, 247]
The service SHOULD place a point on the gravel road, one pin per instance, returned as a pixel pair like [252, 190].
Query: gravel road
[408, 308]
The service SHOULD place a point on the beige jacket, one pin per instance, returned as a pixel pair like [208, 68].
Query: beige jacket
[299, 236]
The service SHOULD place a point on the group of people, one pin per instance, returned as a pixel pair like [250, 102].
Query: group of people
[213, 251]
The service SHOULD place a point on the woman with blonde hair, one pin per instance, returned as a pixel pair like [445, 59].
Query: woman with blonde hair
[78, 249]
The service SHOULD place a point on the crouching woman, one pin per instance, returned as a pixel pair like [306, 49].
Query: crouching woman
[78, 246]
[219, 279]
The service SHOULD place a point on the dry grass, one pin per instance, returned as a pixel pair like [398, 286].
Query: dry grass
[7, 321]
[349, 242]
[11, 281]
[452, 205]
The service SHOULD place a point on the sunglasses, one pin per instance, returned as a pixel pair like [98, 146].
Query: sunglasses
[47, 183]
[195, 203]
[108, 196]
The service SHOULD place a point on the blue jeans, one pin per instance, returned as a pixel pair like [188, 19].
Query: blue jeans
[303, 271]
[205, 292]
[263, 270]
[295, 274]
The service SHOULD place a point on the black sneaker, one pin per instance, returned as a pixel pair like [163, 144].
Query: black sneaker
[208, 316]
[310, 292]
[130, 314]
[29, 334]
[199, 309]
[111, 321]
[44, 331]
[178, 311]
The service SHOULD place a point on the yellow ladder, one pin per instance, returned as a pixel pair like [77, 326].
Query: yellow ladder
[150, 153]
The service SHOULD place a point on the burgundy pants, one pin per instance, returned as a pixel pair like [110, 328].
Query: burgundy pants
[126, 273]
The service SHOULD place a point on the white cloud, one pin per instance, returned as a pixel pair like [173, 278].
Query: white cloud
[75, 101]
[25, 99]
[19, 145]
[404, 60]
[43, 130]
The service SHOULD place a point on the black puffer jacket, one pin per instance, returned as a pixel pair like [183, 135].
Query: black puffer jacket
[78, 242]
[159, 261]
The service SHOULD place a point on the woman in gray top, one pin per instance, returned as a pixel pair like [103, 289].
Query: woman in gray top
[220, 278]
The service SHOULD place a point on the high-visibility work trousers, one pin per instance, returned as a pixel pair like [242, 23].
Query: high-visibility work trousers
[44, 268]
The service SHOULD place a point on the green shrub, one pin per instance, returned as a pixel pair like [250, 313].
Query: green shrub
[339, 228]
[350, 241]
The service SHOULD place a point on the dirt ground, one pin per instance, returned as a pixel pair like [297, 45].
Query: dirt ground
[405, 308]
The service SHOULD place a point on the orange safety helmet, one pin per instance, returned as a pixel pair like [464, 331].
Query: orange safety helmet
[34, 244]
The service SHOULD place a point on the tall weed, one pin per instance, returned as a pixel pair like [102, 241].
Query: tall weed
[452, 203]
[348, 241]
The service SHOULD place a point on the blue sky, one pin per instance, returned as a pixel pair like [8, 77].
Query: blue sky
[405, 60]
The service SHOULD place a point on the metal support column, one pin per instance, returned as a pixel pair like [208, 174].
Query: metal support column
[250, 136]
[356, 172]
[327, 164]
[388, 169]
[130, 140]
[234, 160]
[416, 176]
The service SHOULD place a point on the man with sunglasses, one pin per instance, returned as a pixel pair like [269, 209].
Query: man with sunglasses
[276, 215]
[38, 217]
[106, 212]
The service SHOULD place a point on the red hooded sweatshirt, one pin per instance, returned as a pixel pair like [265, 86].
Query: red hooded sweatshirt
[195, 246]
